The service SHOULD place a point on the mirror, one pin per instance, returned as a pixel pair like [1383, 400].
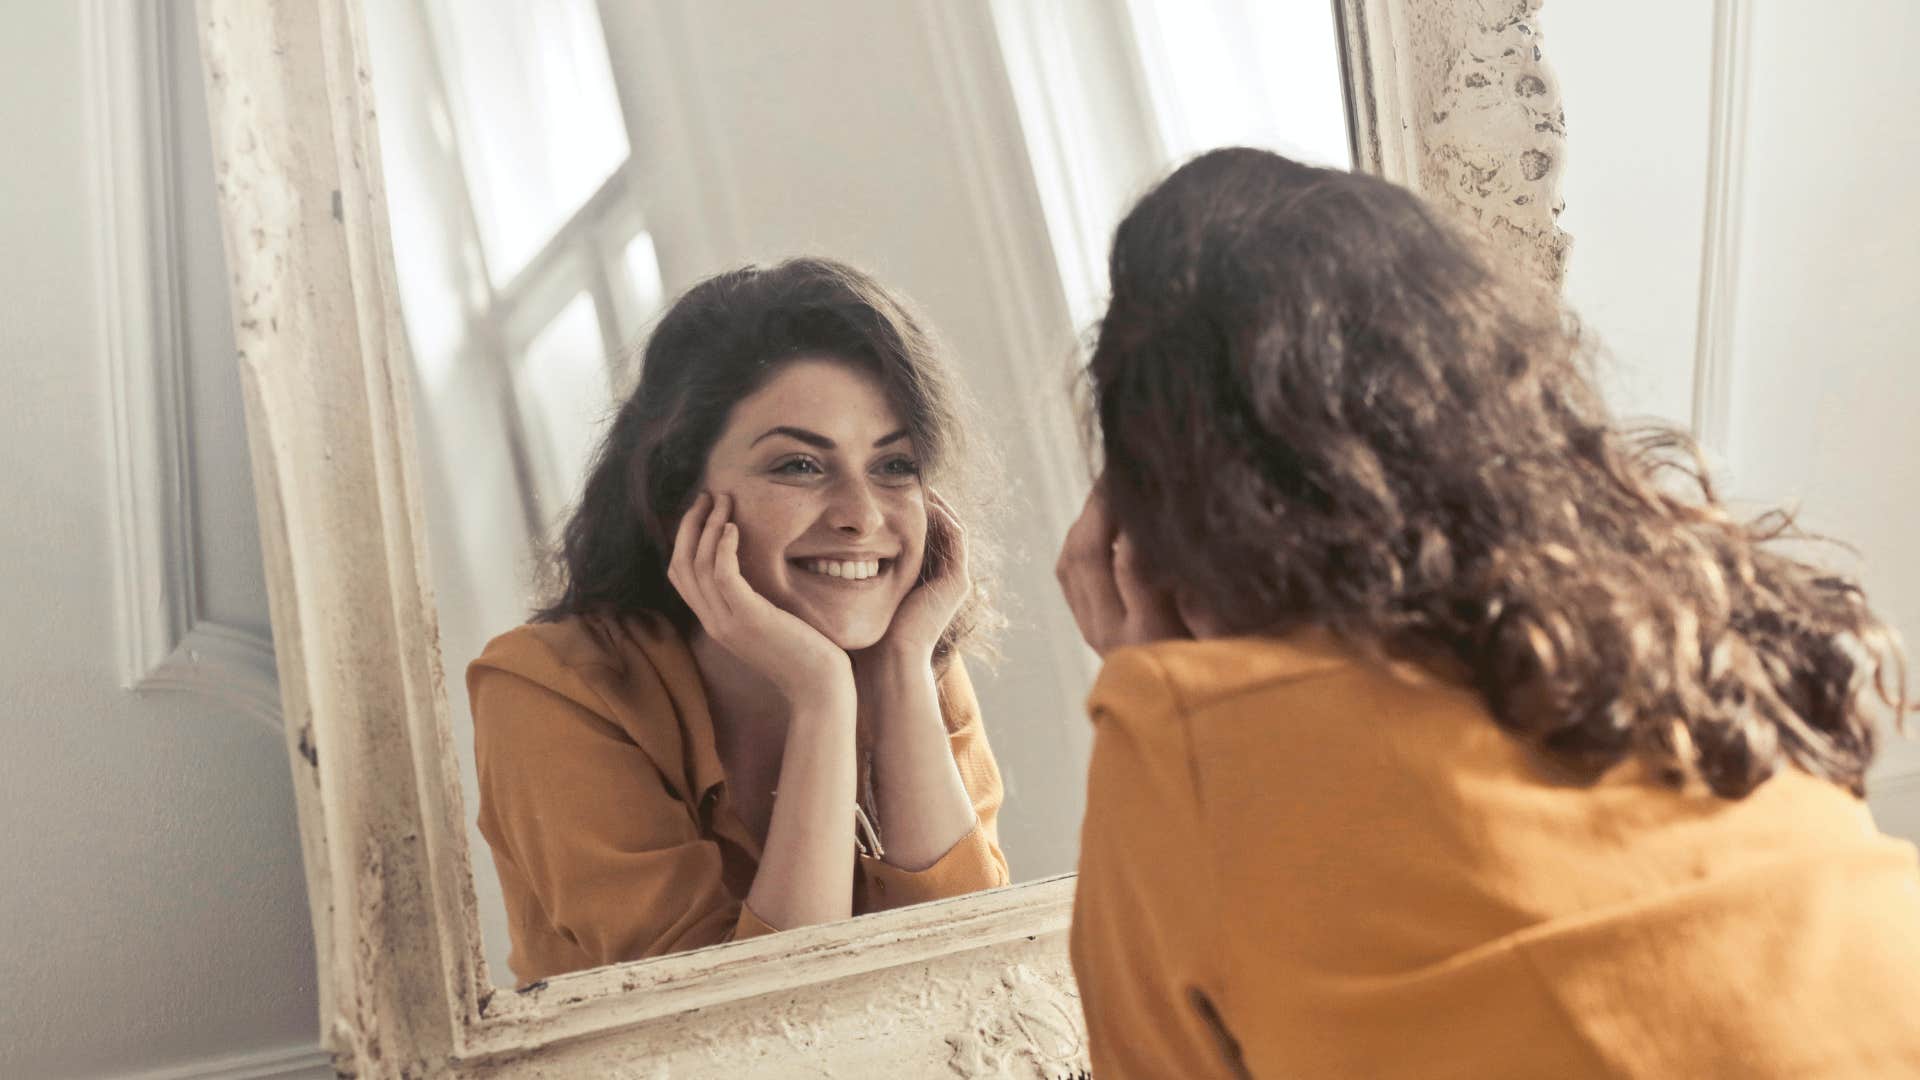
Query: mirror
[558, 174]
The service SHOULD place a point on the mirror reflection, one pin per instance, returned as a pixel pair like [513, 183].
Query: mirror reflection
[741, 336]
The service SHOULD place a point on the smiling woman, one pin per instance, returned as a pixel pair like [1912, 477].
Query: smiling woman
[743, 710]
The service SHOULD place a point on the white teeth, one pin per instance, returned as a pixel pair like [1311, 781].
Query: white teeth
[852, 571]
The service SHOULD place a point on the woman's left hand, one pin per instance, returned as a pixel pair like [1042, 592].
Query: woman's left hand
[1111, 601]
[930, 606]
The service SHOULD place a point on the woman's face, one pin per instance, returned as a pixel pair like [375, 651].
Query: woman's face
[827, 495]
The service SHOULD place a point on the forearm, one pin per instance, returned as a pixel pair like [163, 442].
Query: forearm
[924, 807]
[806, 872]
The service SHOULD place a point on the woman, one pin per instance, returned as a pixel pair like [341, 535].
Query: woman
[760, 595]
[1437, 734]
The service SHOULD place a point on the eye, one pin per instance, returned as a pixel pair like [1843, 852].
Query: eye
[899, 469]
[798, 466]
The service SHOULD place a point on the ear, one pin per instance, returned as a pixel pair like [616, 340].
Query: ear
[1201, 623]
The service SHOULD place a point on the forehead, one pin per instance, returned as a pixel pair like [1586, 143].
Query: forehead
[825, 395]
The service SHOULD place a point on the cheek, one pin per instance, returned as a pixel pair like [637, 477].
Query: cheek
[769, 521]
[910, 523]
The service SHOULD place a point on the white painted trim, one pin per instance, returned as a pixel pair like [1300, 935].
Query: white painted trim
[303, 1061]
[164, 641]
[1720, 256]
[133, 226]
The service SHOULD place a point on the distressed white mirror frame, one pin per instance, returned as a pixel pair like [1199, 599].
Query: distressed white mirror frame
[1450, 97]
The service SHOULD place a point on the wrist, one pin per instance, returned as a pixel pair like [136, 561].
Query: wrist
[828, 687]
[888, 656]
[883, 671]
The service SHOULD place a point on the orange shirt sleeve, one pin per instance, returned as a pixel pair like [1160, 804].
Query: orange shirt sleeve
[976, 861]
[1145, 923]
[599, 860]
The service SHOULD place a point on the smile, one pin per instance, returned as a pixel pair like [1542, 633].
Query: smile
[845, 570]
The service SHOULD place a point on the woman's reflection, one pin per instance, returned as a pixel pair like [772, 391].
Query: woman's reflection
[745, 709]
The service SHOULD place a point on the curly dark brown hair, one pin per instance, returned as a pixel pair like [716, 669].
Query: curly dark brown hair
[717, 344]
[1320, 404]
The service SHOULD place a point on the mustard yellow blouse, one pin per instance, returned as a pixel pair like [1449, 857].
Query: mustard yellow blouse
[604, 801]
[1295, 864]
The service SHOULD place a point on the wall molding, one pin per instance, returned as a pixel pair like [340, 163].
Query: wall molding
[166, 642]
[1714, 358]
[303, 1061]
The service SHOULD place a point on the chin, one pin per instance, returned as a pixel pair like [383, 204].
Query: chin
[852, 618]
[850, 634]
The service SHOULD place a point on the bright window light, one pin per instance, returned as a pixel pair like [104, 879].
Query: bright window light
[643, 274]
[1245, 73]
[536, 116]
[562, 387]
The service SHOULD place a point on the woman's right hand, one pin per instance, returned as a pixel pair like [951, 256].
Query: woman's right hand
[798, 660]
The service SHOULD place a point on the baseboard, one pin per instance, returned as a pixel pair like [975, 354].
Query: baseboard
[306, 1061]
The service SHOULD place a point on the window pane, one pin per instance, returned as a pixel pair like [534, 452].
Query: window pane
[537, 118]
[643, 275]
[1245, 73]
[564, 397]
[432, 277]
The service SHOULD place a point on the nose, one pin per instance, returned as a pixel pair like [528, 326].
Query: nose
[852, 509]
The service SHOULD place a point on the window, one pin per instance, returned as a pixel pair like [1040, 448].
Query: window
[1112, 95]
[525, 267]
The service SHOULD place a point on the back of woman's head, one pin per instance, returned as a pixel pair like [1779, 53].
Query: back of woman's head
[1319, 404]
[717, 344]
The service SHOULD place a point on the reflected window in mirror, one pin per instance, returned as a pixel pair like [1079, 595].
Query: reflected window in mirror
[520, 244]
[1112, 95]
[535, 117]
[524, 267]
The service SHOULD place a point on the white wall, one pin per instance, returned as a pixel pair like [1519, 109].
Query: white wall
[153, 911]
[1636, 186]
[1824, 397]
[1823, 375]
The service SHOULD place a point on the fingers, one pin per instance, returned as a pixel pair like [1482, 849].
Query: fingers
[705, 555]
[946, 540]
[1086, 574]
[686, 542]
[729, 585]
[691, 569]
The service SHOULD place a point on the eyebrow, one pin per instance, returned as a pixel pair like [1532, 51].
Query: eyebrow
[821, 442]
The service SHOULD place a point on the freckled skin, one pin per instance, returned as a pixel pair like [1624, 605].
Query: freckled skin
[793, 499]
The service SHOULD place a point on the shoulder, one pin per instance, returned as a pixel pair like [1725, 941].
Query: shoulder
[1307, 701]
[582, 678]
[1184, 677]
[582, 656]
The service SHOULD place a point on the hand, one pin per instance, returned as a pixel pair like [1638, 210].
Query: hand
[1111, 602]
[928, 609]
[797, 659]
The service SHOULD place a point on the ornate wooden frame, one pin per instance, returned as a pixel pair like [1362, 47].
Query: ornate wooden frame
[1448, 96]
